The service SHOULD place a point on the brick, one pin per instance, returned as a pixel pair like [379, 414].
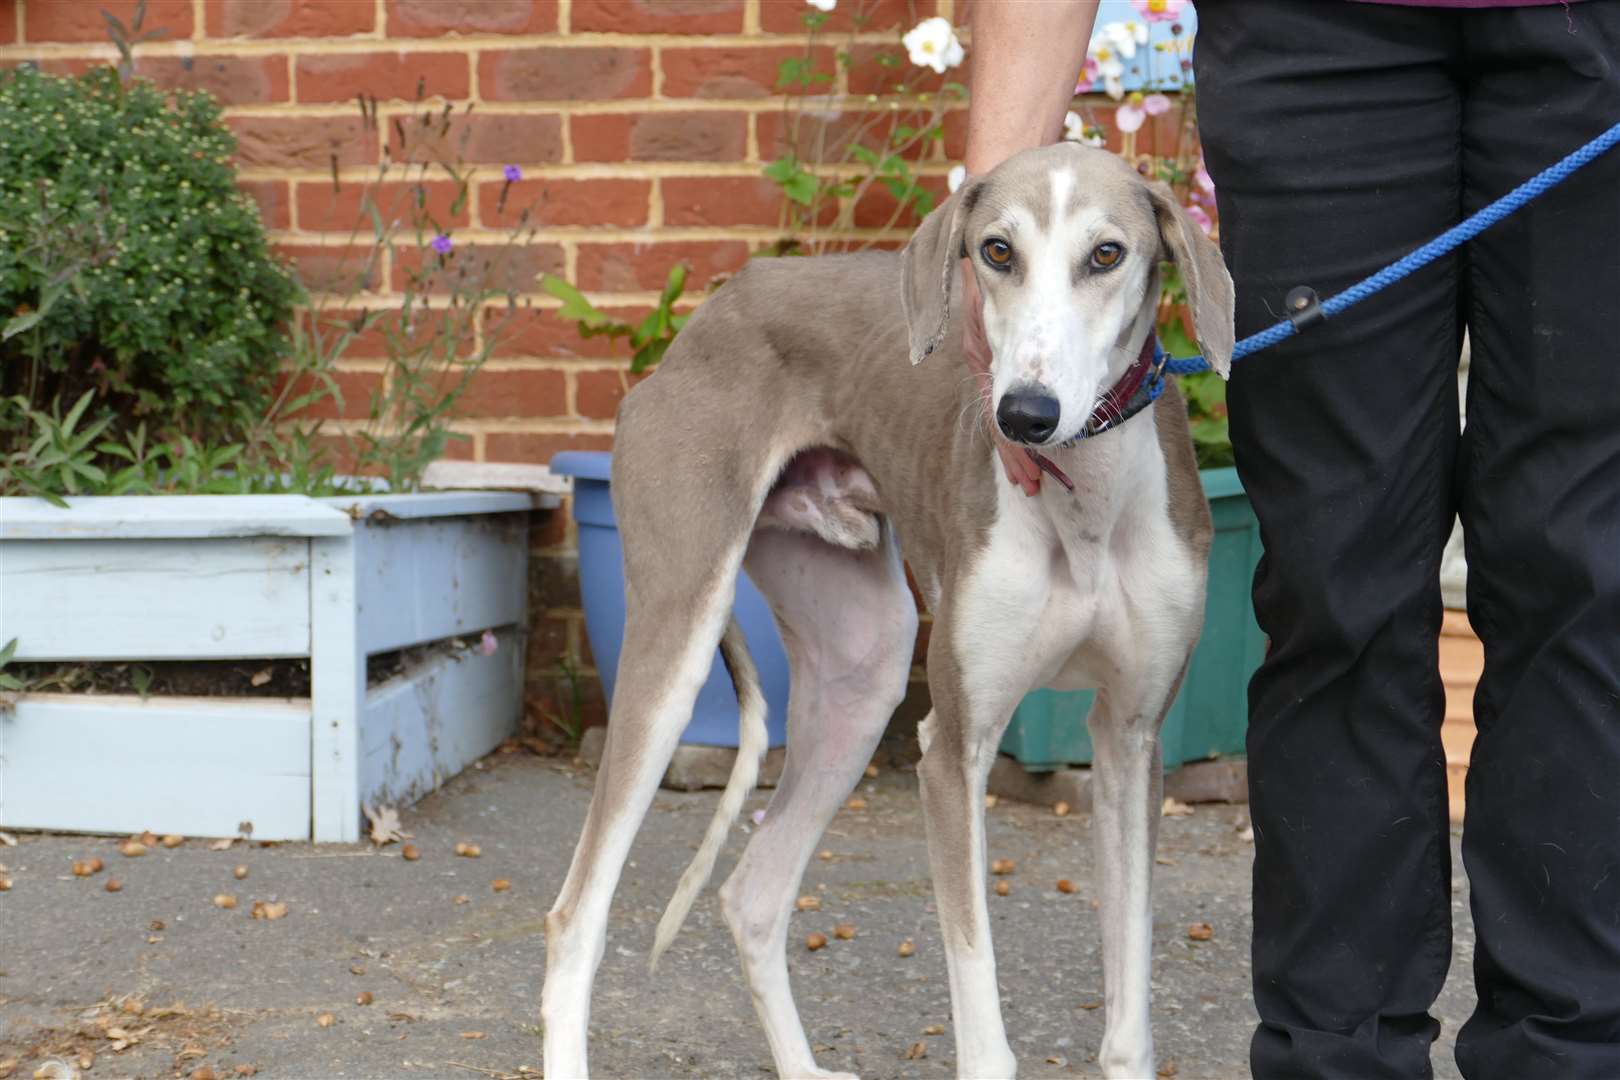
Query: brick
[787, 16]
[541, 332]
[548, 643]
[565, 74]
[501, 268]
[514, 394]
[285, 142]
[80, 20]
[553, 582]
[877, 205]
[378, 339]
[387, 76]
[657, 16]
[432, 18]
[275, 201]
[8, 23]
[639, 267]
[234, 80]
[742, 72]
[321, 208]
[697, 136]
[289, 18]
[725, 201]
[566, 202]
[869, 75]
[479, 139]
[355, 386]
[873, 129]
[548, 528]
[536, 447]
[601, 136]
[597, 393]
[333, 268]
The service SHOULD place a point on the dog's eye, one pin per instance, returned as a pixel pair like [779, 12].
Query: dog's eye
[1107, 256]
[996, 252]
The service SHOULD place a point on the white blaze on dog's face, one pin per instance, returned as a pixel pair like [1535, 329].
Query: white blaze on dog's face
[1065, 243]
[1065, 265]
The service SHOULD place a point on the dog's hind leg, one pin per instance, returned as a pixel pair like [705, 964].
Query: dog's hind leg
[849, 623]
[1127, 773]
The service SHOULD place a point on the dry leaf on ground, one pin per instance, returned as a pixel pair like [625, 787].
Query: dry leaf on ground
[173, 840]
[844, 932]
[500, 884]
[907, 948]
[1064, 885]
[1002, 866]
[385, 825]
[1174, 808]
[222, 845]
[224, 900]
[269, 911]
[468, 851]
[808, 903]
[918, 1049]
[816, 941]
[934, 1029]
[325, 1020]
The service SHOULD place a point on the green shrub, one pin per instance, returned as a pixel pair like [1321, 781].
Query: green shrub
[123, 233]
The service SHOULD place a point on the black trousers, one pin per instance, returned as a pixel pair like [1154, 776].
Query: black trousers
[1340, 136]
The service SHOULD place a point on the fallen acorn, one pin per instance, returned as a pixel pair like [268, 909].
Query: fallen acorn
[5, 883]
[1200, 931]
[934, 1029]
[468, 851]
[247, 1070]
[1002, 866]
[224, 900]
[918, 1049]
[844, 932]
[114, 885]
[990, 802]
[147, 837]
[410, 853]
[364, 997]
[824, 855]
[132, 849]
[500, 884]
[1061, 809]
[269, 911]
[871, 772]
[239, 873]
[82, 869]
[1003, 888]
[816, 940]
[173, 841]
[856, 803]
[808, 903]
[1064, 885]
[907, 948]
[203, 1072]
[325, 1020]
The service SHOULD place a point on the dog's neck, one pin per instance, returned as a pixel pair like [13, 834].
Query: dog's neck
[1134, 391]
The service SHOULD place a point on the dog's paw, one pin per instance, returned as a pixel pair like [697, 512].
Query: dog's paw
[814, 1073]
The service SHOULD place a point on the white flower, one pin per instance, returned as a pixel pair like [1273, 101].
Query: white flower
[822, 5]
[1073, 127]
[958, 173]
[1121, 38]
[932, 44]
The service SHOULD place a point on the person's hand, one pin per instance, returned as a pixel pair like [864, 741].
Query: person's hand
[1020, 467]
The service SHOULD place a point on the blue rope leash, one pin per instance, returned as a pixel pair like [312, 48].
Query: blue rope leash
[1447, 241]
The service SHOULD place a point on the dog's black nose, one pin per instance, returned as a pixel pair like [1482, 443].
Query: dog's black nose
[1028, 416]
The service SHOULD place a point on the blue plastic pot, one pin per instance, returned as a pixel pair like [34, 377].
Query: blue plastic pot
[601, 586]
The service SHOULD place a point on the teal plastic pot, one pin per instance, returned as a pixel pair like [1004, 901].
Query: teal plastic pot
[1210, 716]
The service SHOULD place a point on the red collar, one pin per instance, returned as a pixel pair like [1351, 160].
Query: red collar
[1135, 390]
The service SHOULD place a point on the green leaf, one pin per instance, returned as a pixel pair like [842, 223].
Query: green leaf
[801, 189]
[792, 71]
[575, 306]
[864, 154]
[782, 169]
[8, 652]
[18, 324]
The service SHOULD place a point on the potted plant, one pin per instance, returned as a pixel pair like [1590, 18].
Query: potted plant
[221, 614]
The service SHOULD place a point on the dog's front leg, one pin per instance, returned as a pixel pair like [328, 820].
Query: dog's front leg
[1128, 782]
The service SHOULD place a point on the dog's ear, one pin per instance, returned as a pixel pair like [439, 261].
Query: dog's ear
[928, 271]
[1209, 286]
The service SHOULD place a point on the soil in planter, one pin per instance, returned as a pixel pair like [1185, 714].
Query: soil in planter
[211, 678]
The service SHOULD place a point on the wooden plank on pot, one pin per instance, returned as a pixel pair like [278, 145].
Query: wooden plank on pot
[168, 517]
[191, 766]
[432, 721]
[545, 485]
[423, 579]
[91, 600]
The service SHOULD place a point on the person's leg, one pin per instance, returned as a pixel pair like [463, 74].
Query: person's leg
[1541, 519]
[1332, 132]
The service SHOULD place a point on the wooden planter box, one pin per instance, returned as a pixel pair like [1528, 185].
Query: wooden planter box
[256, 579]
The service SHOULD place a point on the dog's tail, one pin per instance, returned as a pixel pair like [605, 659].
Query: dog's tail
[752, 741]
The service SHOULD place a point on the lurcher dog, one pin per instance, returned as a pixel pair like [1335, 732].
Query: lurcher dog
[783, 434]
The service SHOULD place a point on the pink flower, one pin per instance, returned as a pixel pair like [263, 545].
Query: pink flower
[487, 644]
[1200, 215]
[1202, 179]
[1155, 104]
[758, 817]
[1088, 76]
[1130, 116]
[1160, 10]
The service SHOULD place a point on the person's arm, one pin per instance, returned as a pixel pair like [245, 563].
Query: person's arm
[1025, 61]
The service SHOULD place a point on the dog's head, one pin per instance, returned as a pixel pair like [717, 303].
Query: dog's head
[1065, 243]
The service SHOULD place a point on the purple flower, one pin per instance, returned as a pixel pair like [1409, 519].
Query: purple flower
[442, 245]
[512, 173]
